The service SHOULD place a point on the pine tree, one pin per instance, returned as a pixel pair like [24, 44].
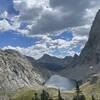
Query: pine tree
[59, 95]
[79, 94]
[36, 96]
[44, 95]
[93, 98]
[77, 90]
[82, 97]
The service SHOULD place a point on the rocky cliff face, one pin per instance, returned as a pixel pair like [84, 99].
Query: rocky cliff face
[88, 61]
[16, 71]
[91, 52]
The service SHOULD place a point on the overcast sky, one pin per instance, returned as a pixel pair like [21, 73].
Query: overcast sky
[56, 27]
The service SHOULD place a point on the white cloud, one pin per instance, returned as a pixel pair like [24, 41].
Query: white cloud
[4, 25]
[59, 43]
[48, 16]
[30, 3]
[80, 34]
[4, 14]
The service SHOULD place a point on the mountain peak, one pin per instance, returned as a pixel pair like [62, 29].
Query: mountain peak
[98, 13]
[45, 55]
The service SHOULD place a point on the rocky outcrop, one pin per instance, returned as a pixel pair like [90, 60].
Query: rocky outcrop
[16, 71]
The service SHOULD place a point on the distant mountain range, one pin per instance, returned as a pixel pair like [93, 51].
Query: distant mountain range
[54, 63]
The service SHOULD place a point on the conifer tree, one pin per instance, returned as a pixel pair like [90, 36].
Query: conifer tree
[77, 90]
[59, 95]
[93, 98]
[36, 96]
[79, 94]
[44, 95]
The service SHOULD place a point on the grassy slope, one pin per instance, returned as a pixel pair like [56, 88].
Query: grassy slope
[88, 89]
[27, 94]
[24, 94]
[92, 88]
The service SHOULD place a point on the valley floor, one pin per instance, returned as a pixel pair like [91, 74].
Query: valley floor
[26, 94]
[91, 87]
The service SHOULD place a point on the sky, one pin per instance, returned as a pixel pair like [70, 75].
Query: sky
[56, 27]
